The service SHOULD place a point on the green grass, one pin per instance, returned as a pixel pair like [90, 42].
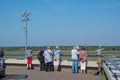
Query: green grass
[93, 73]
[104, 77]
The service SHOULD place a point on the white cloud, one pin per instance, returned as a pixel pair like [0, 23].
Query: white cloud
[46, 3]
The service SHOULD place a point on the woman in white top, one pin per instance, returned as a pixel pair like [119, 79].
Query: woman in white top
[48, 59]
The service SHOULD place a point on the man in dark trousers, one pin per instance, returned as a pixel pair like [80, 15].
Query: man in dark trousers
[41, 59]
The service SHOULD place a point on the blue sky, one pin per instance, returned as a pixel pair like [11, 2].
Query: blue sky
[60, 22]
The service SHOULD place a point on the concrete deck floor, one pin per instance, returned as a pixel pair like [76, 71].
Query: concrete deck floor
[42, 75]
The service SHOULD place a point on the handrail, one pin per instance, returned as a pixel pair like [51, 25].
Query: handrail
[112, 63]
[22, 54]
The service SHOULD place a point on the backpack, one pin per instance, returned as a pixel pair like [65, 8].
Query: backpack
[40, 56]
[81, 56]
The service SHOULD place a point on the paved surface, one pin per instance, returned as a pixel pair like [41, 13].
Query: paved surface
[42, 75]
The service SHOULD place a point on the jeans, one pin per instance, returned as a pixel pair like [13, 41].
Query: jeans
[74, 65]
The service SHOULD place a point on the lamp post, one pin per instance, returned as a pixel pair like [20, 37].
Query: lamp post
[25, 18]
[86, 44]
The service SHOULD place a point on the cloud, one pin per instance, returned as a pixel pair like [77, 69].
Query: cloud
[112, 6]
[57, 5]
[104, 5]
[46, 3]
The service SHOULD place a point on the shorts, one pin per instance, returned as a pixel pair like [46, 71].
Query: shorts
[29, 60]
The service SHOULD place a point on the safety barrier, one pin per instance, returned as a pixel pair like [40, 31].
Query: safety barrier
[111, 67]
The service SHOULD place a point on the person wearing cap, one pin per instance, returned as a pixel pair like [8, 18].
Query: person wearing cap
[48, 59]
[57, 58]
[40, 57]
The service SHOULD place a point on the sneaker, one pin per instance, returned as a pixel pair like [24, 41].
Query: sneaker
[97, 73]
[28, 68]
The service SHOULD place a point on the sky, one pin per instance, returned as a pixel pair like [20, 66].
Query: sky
[60, 22]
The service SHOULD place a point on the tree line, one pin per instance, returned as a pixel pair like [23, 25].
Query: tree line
[64, 48]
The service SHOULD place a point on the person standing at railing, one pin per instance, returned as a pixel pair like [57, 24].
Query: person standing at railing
[1, 53]
[57, 58]
[40, 57]
[83, 59]
[29, 57]
[48, 53]
[74, 53]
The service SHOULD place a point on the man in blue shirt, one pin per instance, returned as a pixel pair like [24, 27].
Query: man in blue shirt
[74, 53]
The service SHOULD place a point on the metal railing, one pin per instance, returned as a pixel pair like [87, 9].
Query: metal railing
[112, 67]
[23, 56]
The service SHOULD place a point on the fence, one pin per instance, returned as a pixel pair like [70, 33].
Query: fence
[112, 67]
